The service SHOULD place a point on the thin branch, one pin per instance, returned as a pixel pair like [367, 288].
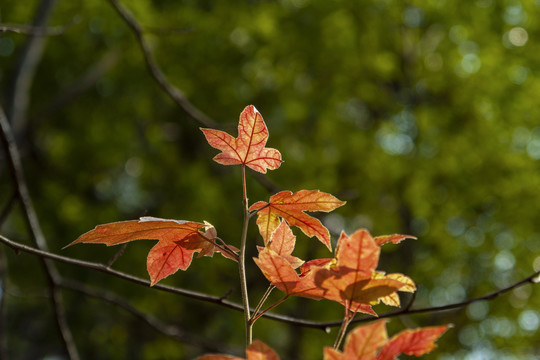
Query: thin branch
[534, 278]
[170, 330]
[26, 68]
[174, 93]
[117, 255]
[52, 275]
[242, 264]
[8, 207]
[37, 30]
[3, 289]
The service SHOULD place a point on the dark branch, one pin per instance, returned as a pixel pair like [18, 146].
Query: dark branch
[53, 277]
[232, 305]
[170, 330]
[32, 30]
[174, 93]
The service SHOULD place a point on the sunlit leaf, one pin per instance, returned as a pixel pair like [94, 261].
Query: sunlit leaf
[291, 207]
[178, 241]
[249, 147]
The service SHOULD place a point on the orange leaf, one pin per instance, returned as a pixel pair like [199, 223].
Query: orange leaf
[370, 342]
[351, 279]
[282, 241]
[249, 147]
[291, 207]
[256, 351]
[412, 342]
[364, 341]
[178, 241]
[394, 239]
[281, 274]
[260, 351]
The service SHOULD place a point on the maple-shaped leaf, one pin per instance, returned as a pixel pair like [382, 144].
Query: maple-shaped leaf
[282, 275]
[370, 342]
[394, 238]
[256, 351]
[351, 278]
[415, 342]
[178, 241]
[249, 147]
[361, 344]
[282, 241]
[393, 299]
[291, 207]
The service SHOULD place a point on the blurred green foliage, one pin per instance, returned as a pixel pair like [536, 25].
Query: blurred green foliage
[422, 115]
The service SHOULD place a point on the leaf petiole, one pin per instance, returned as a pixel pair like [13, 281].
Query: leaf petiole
[262, 301]
[254, 318]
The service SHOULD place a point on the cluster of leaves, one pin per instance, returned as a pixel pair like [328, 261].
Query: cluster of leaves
[350, 277]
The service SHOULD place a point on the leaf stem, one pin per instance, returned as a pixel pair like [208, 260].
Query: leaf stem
[261, 302]
[257, 316]
[242, 262]
[343, 329]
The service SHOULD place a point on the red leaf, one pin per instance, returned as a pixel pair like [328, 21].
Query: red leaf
[249, 147]
[291, 207]
[412, 342]
[370, 342]
[178, 241]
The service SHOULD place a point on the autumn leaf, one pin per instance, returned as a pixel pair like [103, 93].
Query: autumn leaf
[394, 239]
[393, 299]
[291, 207]
[351, 278]
[361, 344]
[249, 147]
[178, 241]
[256, 351]
[415, 342]
[282, 275]
[282, 241]
[370, 342]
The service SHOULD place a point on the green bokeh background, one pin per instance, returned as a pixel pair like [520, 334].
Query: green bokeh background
[422, 115]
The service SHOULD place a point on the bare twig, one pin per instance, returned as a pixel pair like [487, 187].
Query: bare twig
[26, 68]
[174, 93]
[53, 277]
[3, 289]
[37, 30]
[232, 305]
[170, 330]
[7, 208]
[117, 255]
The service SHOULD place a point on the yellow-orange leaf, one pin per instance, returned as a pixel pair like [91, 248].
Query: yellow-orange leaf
[291, 207]
[249, 147]
[351, 279]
